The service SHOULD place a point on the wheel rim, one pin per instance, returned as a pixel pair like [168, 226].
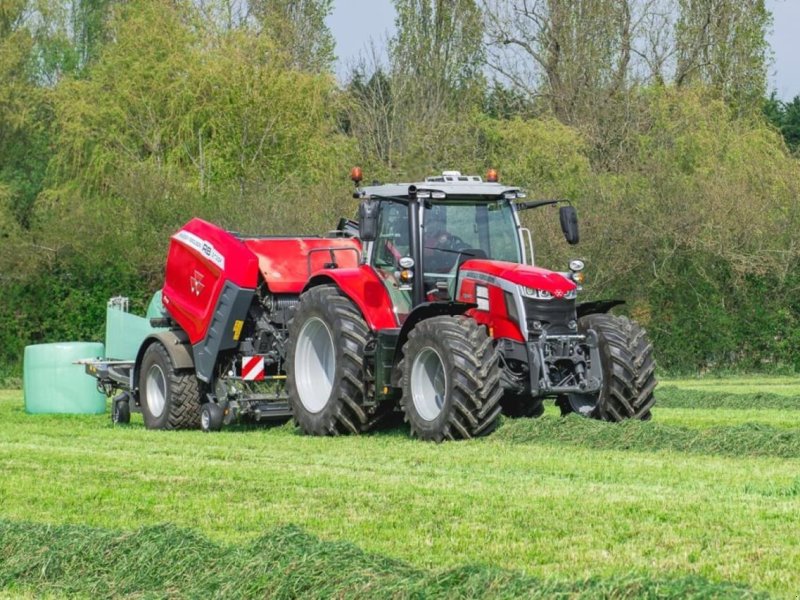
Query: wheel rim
[583, 404]
[428, 384]
[156, 391]
[205, 419]
[314, 364]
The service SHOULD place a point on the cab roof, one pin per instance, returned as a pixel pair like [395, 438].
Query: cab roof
[468, 190]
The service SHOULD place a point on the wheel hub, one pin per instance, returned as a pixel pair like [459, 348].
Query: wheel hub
[156, 391]
[428, 384]
[314, 364]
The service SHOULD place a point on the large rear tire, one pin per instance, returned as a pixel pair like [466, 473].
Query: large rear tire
[451, 380]
[325, 364]
[628, 367]
[170, 398]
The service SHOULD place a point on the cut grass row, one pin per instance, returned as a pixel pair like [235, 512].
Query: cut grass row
[554, 509]
[749, 439]
[165, 561]
[673, 396]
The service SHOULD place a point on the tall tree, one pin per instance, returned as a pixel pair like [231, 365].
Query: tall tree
[577, 55]
[433, 77]
[438, 49]
[723, 43]
[298, 28]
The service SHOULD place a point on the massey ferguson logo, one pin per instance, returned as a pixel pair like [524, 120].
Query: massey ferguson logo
[196, 283]
[559, 293]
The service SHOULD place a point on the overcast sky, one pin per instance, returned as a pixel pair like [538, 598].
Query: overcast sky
[354, 22]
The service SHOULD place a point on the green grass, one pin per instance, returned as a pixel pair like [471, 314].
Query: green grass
[672, 396]
[747, 385]
[563, 501]
[161, 561]
[725, 417]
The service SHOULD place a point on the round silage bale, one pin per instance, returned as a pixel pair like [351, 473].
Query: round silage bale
[53, 384]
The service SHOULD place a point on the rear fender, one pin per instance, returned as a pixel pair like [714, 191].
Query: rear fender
[420, 313]
[176, 343]
[365, 289]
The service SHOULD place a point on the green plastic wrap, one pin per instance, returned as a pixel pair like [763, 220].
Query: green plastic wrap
[125, 332]
[53, 384]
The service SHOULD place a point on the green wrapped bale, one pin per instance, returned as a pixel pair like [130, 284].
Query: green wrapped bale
[52, 383]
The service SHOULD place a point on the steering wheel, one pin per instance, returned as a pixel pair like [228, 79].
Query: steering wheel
[446, 242]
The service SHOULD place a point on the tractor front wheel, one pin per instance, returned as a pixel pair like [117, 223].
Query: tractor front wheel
[451, 380]
[325, 363]
[628, 368]
[170, 398]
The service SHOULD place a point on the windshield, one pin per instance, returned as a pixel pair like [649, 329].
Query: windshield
[480, 230]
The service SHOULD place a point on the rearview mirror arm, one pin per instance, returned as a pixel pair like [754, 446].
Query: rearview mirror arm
[538, 203]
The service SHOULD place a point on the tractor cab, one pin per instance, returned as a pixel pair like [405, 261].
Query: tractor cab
[417, 236]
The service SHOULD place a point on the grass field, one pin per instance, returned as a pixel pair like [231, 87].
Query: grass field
[704, 496]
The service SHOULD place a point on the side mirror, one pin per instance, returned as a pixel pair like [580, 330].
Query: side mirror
[569, 224]
[368, 220]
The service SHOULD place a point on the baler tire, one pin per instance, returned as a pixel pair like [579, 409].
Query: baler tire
[181, 408]
[470, 367]
[212, 417]
[343, 411]
[520, 406]
[628, 368]
[121, 409]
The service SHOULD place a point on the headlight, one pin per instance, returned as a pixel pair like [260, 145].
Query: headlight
[576, 265]
[571, 295]
[538, 294]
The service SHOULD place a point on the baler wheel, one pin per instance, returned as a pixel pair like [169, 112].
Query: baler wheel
[121, 409]
[325, 364]
[628, 372]
[211, 417]
[451, 379]
[170, 398]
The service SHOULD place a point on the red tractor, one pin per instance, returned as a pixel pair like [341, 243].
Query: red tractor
[429, 306]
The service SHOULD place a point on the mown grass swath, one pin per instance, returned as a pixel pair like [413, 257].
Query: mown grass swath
[670, 396]
[166, 561]
[753, 439]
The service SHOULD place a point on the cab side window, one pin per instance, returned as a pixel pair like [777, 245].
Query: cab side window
[392, 242]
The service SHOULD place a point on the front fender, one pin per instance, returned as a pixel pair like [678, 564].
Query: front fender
[596, 307]
[420, 313]
[363, 286]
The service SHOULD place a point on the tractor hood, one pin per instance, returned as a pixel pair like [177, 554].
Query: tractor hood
[287, 263]
[525, 275]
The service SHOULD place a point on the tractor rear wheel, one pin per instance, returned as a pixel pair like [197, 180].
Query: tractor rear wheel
[325, 363]
[170, 398]
[628, 367]
[451, 379]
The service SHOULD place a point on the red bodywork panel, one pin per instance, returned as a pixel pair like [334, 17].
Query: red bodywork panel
[363, 286]
[287, 263]
[525, 275]
[201, 257]
[497, 318]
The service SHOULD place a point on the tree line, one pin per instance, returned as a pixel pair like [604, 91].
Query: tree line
[120, 120]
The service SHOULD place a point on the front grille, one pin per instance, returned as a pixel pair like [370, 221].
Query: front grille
[553, 316]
